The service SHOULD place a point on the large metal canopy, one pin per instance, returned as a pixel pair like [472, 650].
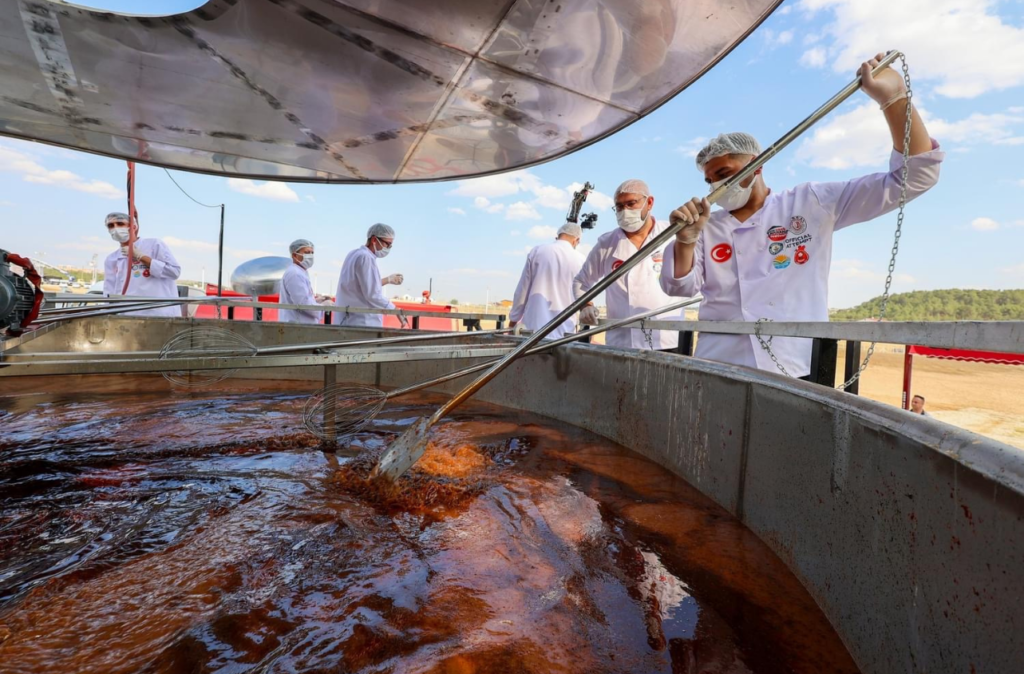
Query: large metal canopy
[353, 91]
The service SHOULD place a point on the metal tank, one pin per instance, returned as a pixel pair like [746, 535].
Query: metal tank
[906, 531]
[261, 276]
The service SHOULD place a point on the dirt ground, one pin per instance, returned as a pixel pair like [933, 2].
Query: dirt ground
[986, 399]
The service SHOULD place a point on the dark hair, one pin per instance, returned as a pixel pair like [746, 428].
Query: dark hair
[918, 395]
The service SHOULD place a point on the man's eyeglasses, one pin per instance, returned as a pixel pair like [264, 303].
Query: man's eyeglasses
[386, 244]
[631, 205]
[111, 225]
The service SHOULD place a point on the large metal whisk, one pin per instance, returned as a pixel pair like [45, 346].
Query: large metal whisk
[212, 342]
[341, 410]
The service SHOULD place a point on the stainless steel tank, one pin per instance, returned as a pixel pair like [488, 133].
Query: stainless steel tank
[261, 276]
[907, 532]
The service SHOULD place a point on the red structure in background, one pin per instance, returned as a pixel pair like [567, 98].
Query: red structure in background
[391, 322]
[963, 355]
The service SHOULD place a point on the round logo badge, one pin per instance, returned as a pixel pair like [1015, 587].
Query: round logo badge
[145, 273]
[616, 264]
[800, 256]
[721, 253]
[775, 248]
[781, 261]
[797, 224]
[778, 233]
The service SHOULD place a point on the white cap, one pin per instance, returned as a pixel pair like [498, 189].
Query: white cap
[381, 231]
[116, 217]
[298, 244]
[572, 229]
[728, 143]
[633, 186]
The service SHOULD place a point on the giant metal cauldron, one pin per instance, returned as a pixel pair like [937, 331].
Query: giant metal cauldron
[906, 531]
[261, 276]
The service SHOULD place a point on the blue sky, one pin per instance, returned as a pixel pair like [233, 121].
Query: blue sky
[967, 64]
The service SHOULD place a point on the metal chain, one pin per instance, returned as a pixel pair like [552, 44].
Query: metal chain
[648, 334]
[766, 345]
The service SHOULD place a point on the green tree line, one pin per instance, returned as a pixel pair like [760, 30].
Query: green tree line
[942, 305]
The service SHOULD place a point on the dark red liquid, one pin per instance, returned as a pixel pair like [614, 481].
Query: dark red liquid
[204, 531]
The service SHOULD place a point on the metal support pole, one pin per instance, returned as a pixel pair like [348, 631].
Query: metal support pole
[908, 374]
[220, 263]
[501, 322]
[415, 322]
[231, 313]
[824, 355]
[685, 347]
[851, 365]
[258, 313]
[327, 318]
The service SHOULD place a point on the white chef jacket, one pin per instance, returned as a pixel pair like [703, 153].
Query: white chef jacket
[634, 293]
[157, 281]
[296, 289]
[360, 286]
[545, 287]
[776, 264]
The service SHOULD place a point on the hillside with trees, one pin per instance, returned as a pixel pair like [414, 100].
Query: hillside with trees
[942, 305]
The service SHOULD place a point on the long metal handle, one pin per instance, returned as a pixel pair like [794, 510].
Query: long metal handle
[546, 346]
[655, 244]
[292, 348]
[102, 312]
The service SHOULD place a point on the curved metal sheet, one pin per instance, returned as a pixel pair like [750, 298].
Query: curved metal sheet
[353, 90]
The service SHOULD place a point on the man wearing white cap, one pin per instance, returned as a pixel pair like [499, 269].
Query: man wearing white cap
[360, 284]
[296, 288]
[545, 287]
[638, 290]
[767, 254]
[152, 271]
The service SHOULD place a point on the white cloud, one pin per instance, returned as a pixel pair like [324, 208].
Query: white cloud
[813, 58]
[774, 39]
[515, 232]
[310, 197]
[984, 224]
[4, 202]
[501, 185]
[177, 244]
[861, 137]
[962, 45]
[484, 204]
[266, 190]
[858, 270]
[783, 11]
[542, 232]
[470, 272]
[90, 244]
[518, 252]
[521, 210]
[32, 171]
[456, 211]
[691, 147]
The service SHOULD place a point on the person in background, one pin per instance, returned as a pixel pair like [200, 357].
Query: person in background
[152, 272]
[765, 254]
[296, 288]
[917, 405]
[545, 286]
[639, 290]
[360, 283]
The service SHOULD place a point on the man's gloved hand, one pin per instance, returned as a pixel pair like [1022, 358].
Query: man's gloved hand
[885, 88]
[588, 315]
[694, 213]
[394, 279]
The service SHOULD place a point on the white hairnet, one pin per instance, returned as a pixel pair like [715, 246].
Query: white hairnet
[633, 186]
[298, 244]
[116, 217]
[381, 231]
[728, 143]
[572, 229]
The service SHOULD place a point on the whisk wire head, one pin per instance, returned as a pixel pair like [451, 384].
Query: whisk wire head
[204, 342]
[341, 410]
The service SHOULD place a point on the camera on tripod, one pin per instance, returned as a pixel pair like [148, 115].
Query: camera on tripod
[590, 219]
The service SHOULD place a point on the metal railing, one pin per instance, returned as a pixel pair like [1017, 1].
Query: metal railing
[995, 336]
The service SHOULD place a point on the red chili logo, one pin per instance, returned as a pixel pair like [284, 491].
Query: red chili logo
[616, 264]
[800, 256]
[145, 272]
[721, 253]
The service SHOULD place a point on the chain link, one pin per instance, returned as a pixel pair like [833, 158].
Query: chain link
[648, 334]
[767, 344]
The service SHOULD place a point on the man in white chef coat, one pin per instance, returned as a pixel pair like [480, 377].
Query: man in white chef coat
[767, 254]
[545, 286]
[360, 283]
[296, 288]
[639, 290]
[152, 271]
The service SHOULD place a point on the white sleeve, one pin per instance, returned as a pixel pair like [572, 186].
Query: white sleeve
[590, 274]
[689, 285]
[299, 291]
[162, 262]
[870, 196]
[522, 293]
[110, 276]
[370, 286]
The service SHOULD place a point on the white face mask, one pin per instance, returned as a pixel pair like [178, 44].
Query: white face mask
[630, 220]
[382, 251]
[737, 196]
[119, 234]
[307, 261]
